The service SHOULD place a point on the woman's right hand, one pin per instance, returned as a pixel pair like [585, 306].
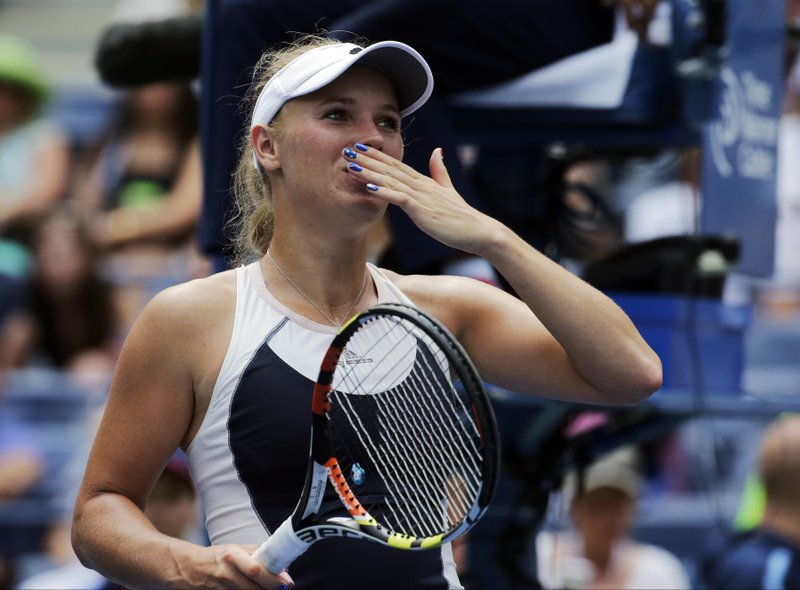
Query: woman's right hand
[226, 566]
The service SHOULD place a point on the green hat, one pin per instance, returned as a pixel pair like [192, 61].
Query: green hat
[20, 67]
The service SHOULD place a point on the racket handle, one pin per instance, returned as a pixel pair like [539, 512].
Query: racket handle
[281, 548]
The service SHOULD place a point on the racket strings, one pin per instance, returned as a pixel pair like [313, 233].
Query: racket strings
[429, 461]
[386, 470]
[440, 471]
[459, 460]
[455, 453]
[387, 462]
[457, 427]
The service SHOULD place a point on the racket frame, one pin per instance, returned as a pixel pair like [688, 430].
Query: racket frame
[304, 527]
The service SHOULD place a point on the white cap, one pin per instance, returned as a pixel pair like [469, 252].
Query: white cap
[618, 470]
[406, 69]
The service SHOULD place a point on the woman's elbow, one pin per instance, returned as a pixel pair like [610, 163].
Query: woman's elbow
[644, 381]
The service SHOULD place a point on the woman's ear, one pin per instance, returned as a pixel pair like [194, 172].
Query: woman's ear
[262, 139]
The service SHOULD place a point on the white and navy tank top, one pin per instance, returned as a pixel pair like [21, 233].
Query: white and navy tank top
[248, 459]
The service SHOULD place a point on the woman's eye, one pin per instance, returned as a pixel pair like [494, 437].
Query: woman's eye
[337, 115]
[390, 123]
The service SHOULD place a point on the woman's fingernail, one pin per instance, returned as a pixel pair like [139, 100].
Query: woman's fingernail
[361, 147]
[354, 167]
[287, 579]
[441, 153]
[283, 587]
[349, 152]
[373, 187]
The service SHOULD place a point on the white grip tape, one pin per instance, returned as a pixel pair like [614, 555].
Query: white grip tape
[281, 548]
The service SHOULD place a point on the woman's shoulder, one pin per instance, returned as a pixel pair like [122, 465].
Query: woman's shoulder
[453, 300]
[442, 292]
[427, 286]
[198, 300]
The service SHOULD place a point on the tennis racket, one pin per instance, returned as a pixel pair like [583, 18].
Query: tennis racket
[402, 431]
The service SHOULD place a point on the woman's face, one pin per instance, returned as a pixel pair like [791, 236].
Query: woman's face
[360, 106]
[603, 516]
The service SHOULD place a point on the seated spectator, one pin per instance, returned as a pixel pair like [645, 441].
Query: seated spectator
[34, 163]
[767, 556]
[137, 163]
[34, 153]
[172, 218]
[139, 194]
[68, 321]
[600, 553]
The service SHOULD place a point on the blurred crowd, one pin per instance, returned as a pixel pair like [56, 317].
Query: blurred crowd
[91, 230]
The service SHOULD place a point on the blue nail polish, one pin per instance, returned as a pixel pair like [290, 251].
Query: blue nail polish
[283, 587]
[373, 187]
[349, 152]
[362, 147]
[354, 167]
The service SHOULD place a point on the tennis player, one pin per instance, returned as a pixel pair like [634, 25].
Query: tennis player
[223, 366]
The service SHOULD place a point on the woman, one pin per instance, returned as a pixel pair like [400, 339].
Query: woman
[34, 152]
[599, 552]
[136, 189]
[223, 366]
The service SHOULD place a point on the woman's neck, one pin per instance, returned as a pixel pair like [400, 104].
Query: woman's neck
[335, 284]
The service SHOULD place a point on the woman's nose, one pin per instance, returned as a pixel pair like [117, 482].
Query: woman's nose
[370, 135]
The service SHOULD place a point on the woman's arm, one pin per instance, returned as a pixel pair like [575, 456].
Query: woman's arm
[562, 338]
[150, 413]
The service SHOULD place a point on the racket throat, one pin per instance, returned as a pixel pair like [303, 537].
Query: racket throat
[318, 480]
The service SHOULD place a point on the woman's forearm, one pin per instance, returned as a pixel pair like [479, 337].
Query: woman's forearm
[112, 535]
[602, 343]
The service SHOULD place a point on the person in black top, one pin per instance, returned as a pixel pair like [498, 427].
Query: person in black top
[768, 556]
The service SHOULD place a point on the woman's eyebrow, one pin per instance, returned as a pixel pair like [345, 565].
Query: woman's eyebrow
[348, 101]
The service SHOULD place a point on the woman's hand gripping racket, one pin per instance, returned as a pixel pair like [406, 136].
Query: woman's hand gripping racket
[405, 434]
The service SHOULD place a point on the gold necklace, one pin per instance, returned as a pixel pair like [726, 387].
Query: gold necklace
[314, 305]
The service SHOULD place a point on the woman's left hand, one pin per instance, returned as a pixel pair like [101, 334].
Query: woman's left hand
[432, 203]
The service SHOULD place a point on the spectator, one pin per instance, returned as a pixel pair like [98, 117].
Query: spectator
[139, 196]
[69, 322]
[137, 163]
[600, 552]
[34, 154]
[34, 158]
[768, 556]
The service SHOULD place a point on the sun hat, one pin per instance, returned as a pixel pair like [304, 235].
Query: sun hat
[405, 67]
[20, 67]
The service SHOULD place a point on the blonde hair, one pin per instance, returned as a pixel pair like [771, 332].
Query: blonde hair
[254, 221]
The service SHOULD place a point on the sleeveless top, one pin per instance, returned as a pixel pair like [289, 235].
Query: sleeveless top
[248, 459]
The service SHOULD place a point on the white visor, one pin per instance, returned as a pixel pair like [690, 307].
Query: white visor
[406, 69]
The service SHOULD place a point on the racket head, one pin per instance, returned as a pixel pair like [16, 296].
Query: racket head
[404, 431]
